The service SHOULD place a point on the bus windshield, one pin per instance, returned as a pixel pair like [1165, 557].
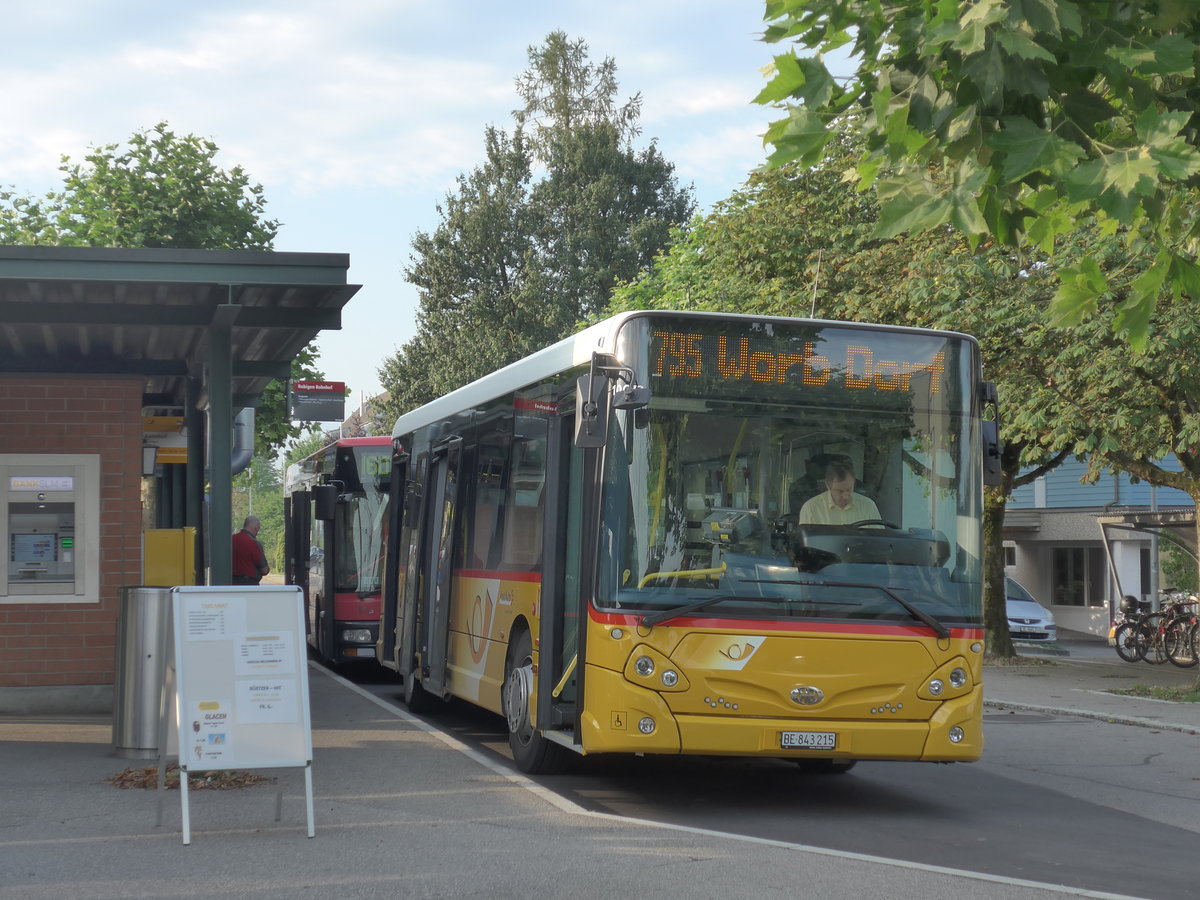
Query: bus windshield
[360, 523]
[819, 471]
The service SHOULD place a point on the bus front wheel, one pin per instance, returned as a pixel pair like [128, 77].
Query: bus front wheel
[531, 751]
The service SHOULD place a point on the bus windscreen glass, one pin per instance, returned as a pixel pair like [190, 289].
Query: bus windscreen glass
[706, 491]
[360, 522]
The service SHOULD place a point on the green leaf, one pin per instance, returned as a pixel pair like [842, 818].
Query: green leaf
[907, 204]
[1028, 149]
[983, 13]
[971, 39]
[1159, 128]
[964, 123]
[1178, 160]
[986, 71]
[1020, 46]
[1186, 274]
[1131, 171]
[1086, 108]
[801, 136]
[1078, 291]
[789, 77]
[1042, 15]
[1170, 54]
[902, 137]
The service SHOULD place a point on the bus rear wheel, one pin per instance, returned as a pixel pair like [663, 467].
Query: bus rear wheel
[531, 751]
[418, 700]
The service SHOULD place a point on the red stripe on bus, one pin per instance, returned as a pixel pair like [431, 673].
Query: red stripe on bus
[531, 577]
[786, 625]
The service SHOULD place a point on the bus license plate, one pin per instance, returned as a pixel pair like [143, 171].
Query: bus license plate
[808, 740]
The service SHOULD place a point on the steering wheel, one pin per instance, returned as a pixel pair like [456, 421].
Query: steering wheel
[863, 523]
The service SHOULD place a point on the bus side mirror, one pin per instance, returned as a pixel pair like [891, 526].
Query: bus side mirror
[990, 397]
[607, 385]
[992, 472]
[325, 501]
[591, 411]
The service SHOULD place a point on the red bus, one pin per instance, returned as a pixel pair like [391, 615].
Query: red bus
[334, 532]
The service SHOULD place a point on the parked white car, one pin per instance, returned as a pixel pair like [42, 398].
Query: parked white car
[1028, 620]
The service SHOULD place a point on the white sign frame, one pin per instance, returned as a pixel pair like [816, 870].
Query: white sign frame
[237, 686]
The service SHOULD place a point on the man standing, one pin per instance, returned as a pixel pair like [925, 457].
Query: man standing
[838, 505]
[249, 560]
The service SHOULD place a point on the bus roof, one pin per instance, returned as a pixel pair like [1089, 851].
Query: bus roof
[577, 350]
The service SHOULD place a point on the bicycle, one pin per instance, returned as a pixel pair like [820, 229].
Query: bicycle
[1131, 635]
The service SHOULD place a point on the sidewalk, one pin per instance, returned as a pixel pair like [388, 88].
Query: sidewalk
[400, 811]
[1079, 677]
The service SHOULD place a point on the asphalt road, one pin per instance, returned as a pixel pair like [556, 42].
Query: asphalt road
[1059, 800]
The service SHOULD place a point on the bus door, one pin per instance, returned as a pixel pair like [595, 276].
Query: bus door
[322, 567]
[297, 537]
[439, 551]
[391, 585]
[410, 540]
[564, 573]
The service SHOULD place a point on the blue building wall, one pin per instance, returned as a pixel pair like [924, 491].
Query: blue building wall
[1063, 490]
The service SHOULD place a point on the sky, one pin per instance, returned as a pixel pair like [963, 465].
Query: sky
[356, 116]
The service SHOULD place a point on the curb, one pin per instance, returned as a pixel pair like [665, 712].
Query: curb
[1116, 719]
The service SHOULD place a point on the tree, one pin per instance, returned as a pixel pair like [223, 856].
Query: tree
[536, 237]
[1019, 120]
[1142, 412]
[258, 491]
[162, 190]
[799, 240]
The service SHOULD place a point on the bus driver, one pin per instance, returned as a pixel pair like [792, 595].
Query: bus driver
[838, 504]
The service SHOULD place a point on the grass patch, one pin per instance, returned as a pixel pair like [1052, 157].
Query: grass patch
[1024, 661]
[1158, 692]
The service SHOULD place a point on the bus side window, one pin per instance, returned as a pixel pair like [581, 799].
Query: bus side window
[523, 509]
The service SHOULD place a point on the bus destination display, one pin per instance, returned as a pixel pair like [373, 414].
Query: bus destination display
[830, 358]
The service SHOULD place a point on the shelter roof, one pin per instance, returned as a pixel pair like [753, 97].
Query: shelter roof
[149, 312]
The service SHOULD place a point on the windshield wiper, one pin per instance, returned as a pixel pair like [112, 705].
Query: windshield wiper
[938, 628]
[667, 614]
[658, 618]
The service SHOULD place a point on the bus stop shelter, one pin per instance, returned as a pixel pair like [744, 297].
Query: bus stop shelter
[95, 340]
[1173, 525]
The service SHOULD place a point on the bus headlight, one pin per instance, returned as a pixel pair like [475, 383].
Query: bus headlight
[650, 668]
[646, 725]
[958, 677]
[936, 687]
[956, 735]
[357, 636]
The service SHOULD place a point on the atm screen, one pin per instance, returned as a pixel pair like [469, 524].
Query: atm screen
[33, 548]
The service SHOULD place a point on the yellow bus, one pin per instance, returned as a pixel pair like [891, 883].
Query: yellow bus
[608, 543]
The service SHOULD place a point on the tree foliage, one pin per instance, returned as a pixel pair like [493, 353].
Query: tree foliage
[1019, 120]
[161, 190]
[535, 238]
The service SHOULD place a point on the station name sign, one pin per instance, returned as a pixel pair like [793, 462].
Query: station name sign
[317, 401]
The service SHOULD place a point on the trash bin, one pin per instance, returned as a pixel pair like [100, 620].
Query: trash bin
[141, 664]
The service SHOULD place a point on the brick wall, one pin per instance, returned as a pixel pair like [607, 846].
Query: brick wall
[49, 644]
